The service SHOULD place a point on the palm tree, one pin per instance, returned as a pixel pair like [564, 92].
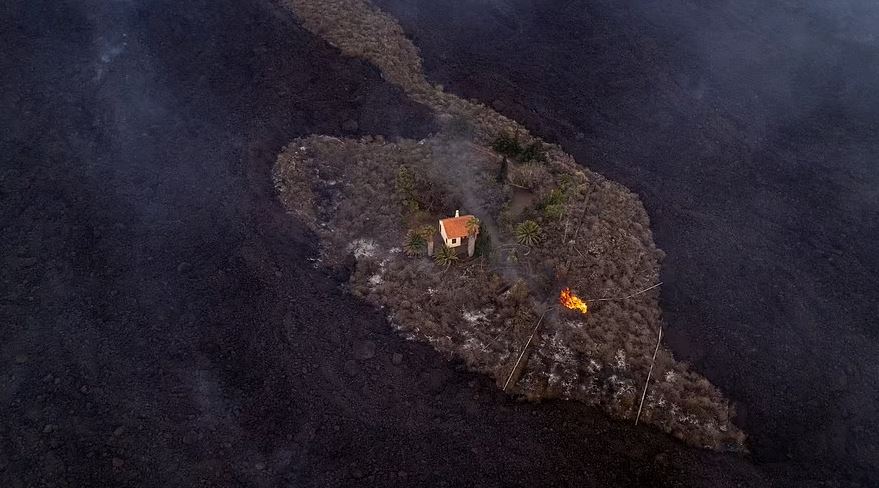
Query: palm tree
[446, 256]
[528, 233]
[414, 243]
[472, 231]
[427, 233]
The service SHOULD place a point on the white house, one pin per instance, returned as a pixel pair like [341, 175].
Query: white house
[454, 231]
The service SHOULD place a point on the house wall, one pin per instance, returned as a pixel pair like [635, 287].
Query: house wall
[448, 242]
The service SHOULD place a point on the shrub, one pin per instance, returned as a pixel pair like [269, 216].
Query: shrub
[528, 233]
[405, 184]
[554, 212]
[553, 204]
[414, 243]
[511, 148]
[534, 152]
[507, 146]
[446, 256]
[427, 232]
[529, 175]
[556, 196]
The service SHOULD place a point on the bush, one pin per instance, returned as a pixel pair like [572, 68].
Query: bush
[427, 232]
[553, 204]
[534, 152]
[446, 256]
[556, 196]
[405, 184]
[511, 148]
[529, 175]
[507, 146]
[528, 233]
[414, 243]
[554, 212]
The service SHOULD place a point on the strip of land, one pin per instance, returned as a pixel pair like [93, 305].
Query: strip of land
[546, 223]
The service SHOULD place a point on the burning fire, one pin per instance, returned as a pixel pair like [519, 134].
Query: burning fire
[572, 301]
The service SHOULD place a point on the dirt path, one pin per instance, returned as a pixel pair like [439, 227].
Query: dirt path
[749, 130]
[162, 324]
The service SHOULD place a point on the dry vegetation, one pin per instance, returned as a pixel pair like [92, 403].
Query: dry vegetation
[546, 223]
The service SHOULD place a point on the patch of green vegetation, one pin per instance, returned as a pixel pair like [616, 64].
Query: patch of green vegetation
[446, 256]
[554, 212]
[529, 176]
[534, 152]
[553, 204]
[405, 184]
[528, 233]
[472, 225]
[414, 243]
[556, 196]
[508, 146]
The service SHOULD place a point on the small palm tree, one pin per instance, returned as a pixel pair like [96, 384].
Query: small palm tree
[472, 231]
[472, 226]
[528, 233]
[428, 232]
[445, 257]
[414, 243]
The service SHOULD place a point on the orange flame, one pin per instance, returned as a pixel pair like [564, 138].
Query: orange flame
[572, 301]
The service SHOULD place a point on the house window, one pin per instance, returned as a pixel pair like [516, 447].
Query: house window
[454, 241]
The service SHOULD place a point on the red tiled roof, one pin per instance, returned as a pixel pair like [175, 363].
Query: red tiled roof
[456, 226]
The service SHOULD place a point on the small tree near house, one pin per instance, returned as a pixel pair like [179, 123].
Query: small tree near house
[428, 232]
[472, 231]
[414, 243]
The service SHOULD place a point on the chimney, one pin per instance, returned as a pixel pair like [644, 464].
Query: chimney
[457, 214]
